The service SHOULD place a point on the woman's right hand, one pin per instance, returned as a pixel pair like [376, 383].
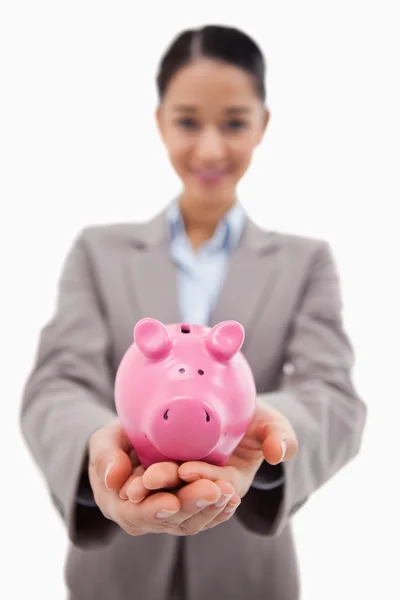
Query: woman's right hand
[183, 511]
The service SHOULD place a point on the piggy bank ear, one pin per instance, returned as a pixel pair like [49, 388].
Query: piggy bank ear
[152, 338]
[225, 340]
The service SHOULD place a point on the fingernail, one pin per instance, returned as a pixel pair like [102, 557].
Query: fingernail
[123, 496]
[164, 514]
[136, 501]
[223, 500]
[202, 503]
[108, 469]
[190, 477]
[284, 448]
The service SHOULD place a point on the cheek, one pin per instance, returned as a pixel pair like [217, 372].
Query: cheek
[178, 150]
[241, 152]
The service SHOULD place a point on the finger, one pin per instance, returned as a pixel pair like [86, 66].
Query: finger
[275, 433]
[108, 455]
[201, 519]
[194, 498]
[161, 476]
[226, 513]
[151, 514]
[137, 491]
[279, 444]
[124, 492]
[195, 470]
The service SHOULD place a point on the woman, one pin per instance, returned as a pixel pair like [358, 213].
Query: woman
[224, 532]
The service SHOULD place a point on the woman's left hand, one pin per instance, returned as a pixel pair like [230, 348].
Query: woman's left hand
[270, 437]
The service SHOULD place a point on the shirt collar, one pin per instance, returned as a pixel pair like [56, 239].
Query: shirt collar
[226, 235]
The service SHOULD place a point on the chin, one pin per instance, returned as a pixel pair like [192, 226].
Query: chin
[220, 192]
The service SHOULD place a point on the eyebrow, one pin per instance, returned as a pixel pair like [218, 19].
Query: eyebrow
[231, 110]
[238, 110]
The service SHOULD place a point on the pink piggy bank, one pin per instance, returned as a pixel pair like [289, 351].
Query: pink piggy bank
[185, 392]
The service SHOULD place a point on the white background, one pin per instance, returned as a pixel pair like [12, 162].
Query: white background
[79, 146]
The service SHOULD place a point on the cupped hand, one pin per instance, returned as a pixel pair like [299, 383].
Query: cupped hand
[270, 437]
[186, 510]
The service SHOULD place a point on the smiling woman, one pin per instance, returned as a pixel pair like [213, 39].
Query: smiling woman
[211, 114]
[199, 262]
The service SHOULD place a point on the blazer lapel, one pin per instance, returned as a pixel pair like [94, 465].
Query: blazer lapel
[250, 279]
[151, 274]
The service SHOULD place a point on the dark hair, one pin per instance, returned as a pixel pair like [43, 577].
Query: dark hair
[226, 44]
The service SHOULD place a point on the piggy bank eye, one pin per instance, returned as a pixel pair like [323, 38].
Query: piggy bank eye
[181, 370]
[200, 372]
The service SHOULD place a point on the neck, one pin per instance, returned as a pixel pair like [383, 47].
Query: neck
[201, 219]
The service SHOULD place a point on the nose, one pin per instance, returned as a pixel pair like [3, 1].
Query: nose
[210, 147]
[185, 429]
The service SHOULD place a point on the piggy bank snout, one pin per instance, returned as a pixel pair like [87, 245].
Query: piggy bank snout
[185, 429]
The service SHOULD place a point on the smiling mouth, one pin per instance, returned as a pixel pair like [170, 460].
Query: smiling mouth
[210, 175]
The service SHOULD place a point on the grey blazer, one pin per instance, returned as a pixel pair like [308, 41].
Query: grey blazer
[285, 291]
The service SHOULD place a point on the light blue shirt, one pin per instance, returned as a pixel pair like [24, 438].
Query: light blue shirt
[202, 273]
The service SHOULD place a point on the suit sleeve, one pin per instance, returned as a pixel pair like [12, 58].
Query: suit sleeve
[69, 395]
[318, 398]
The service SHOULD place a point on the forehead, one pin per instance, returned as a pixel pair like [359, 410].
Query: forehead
[211, 83]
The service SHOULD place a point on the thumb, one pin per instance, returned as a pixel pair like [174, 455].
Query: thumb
[110, 453]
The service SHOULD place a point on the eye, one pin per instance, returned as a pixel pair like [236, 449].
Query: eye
[181, 370]
[200, 372]
[236, 124]
[187, 123]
